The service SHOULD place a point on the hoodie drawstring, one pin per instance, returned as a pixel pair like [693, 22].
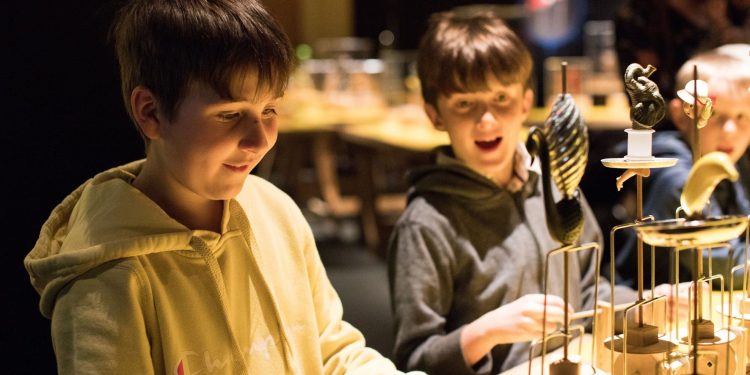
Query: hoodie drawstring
[236, 211]
[202, 248]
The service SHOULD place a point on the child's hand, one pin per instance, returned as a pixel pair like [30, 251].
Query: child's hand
[522, 319]
[518, 321]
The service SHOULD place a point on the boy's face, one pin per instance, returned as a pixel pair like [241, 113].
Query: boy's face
[212, 144]
[728, 130]
[484, 126]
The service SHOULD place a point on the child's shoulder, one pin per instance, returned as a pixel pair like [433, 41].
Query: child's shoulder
[260, 187]
[259, 194]
[427, 211]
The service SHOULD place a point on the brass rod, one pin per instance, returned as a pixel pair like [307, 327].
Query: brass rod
[696, 132]
[583, 314]
[566, 296]
[639, 242]
[694, 337]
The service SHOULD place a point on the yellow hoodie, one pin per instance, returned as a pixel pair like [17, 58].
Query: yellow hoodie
[132, 291]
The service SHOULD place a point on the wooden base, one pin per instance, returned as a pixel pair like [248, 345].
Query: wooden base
[565, 367]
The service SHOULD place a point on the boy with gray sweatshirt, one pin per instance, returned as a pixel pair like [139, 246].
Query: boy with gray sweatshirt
[466, 258]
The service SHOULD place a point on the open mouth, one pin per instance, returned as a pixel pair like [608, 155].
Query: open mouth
[489, 145]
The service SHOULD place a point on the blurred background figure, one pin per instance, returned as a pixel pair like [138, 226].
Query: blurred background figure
[725, 70]
[666, 33]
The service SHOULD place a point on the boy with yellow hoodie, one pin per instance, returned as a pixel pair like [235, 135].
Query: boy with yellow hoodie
[183, 263]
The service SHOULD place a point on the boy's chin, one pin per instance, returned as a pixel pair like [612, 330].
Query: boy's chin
[226, 194]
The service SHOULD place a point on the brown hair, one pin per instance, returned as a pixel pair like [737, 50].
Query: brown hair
[165, 45]
[458, 51]
[728, 66]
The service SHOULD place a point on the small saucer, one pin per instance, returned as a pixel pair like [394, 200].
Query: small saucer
[622, 163]
[692, 233]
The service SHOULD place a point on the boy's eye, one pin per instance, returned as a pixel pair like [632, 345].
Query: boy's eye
[463, 104]
[743, 120]
[228, 116]
[502, 98]
[269, 112]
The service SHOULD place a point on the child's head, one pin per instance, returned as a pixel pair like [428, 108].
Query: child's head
[475, 75]
[727, 71]
[201, 79]
[459, 52]
[166, 46]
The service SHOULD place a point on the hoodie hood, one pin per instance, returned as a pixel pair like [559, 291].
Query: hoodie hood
[449, 176]
[104, 219]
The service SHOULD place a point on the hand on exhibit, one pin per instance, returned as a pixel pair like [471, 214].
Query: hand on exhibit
[522, 319]
[518, 321]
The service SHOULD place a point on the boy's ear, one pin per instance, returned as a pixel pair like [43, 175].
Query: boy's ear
[677, 115]
[528, 101]
[144, 107]
[434, 116]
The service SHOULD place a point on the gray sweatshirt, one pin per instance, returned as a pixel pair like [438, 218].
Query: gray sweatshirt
[463, 247]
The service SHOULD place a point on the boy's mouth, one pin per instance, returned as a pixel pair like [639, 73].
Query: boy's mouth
[726, 150]
[489, 145]
[244, 168]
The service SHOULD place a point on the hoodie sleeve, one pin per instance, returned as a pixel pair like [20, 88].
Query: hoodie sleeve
[421, 286]
[342, 346]
[98, 323]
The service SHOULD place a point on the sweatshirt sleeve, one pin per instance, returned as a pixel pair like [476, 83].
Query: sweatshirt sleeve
[342, 346]
[421, 284]
[98, 324]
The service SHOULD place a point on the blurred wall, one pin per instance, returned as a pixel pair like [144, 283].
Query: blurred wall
[308, 20]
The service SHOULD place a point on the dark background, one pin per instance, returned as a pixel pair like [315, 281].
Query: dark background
[66, 122]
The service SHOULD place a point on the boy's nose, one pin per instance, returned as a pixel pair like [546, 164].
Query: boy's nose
[487, 119]
[254, 136]
[729, 125]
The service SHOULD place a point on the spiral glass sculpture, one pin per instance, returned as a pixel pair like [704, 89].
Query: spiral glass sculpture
[568, 142]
